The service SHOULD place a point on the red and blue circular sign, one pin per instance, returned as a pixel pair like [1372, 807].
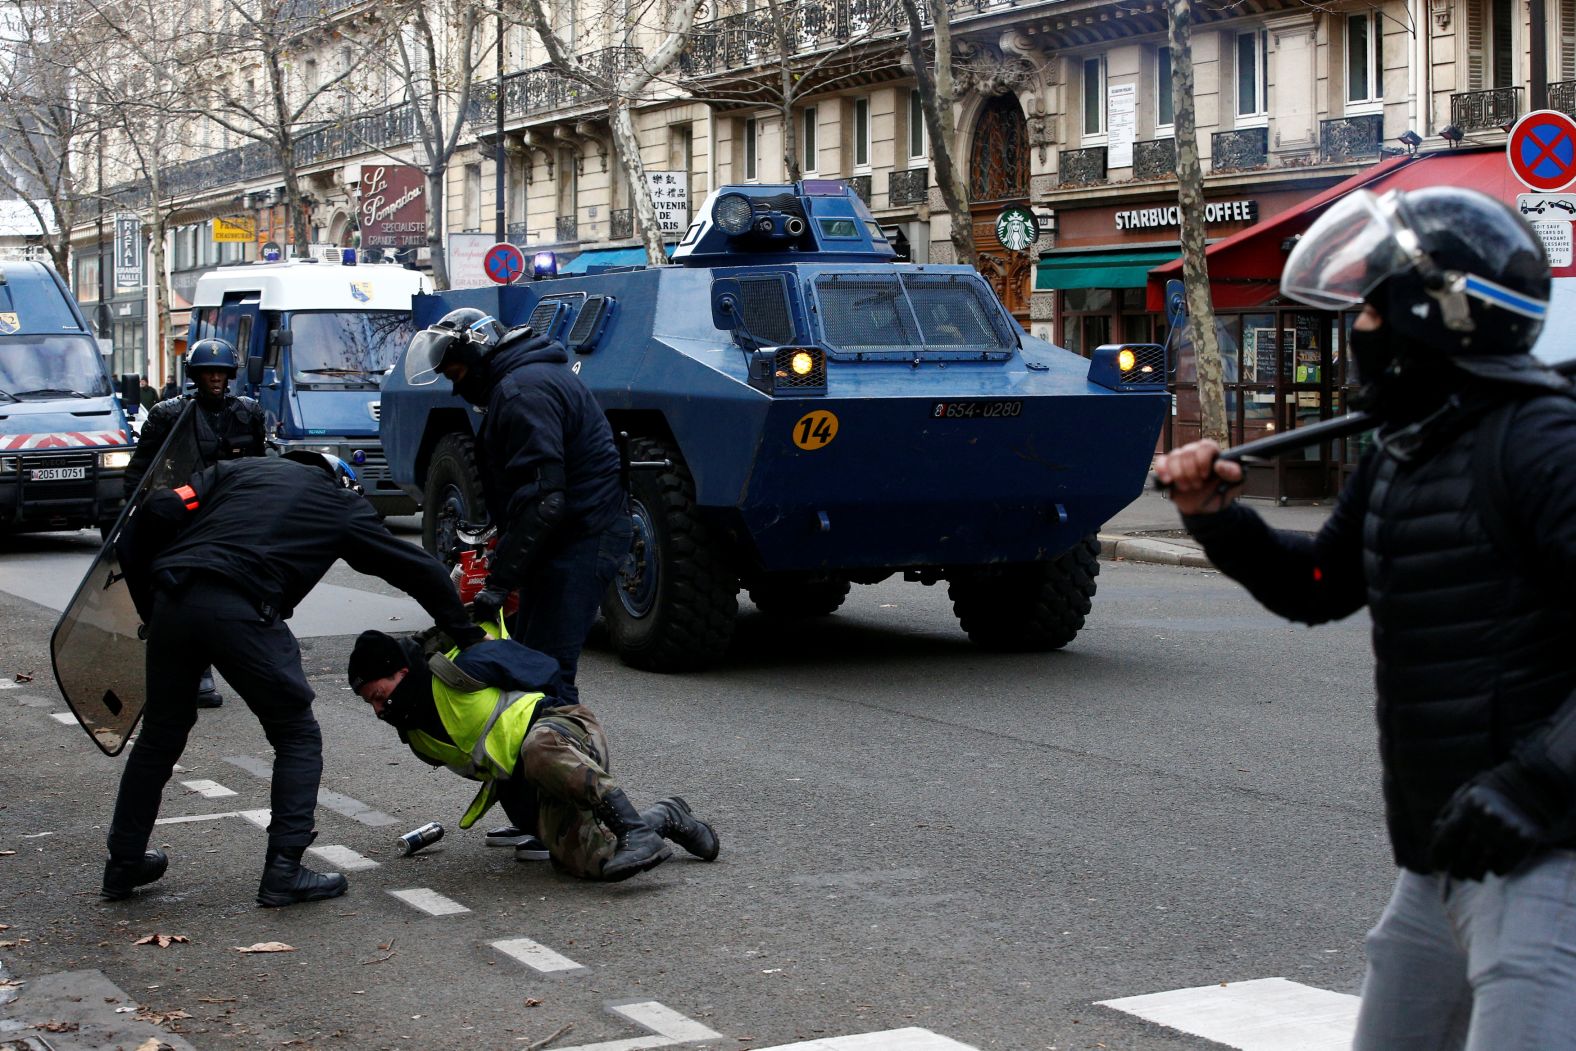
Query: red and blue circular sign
[1542, 150]
[504, 263]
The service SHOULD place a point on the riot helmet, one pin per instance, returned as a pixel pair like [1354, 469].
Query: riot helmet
[1458, 278]
[342, 474]
[211, 353]
[465, 336]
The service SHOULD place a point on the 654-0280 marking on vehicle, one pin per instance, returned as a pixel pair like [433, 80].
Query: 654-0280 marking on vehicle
[976, 410]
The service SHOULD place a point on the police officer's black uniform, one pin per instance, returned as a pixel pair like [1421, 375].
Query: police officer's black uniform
[217, 568]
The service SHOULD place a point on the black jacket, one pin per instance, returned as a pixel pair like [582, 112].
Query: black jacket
[1473, 666]
[236, 429]
[271, 528]
[541, 420]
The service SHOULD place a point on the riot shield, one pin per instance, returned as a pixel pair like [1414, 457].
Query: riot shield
[97, 653]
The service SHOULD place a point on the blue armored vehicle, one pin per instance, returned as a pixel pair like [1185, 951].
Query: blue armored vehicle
[806, 414]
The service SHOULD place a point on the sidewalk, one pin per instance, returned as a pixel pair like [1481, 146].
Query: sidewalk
[1150, 530]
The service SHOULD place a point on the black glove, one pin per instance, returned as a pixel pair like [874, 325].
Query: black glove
[484, 607]
[1487, 826]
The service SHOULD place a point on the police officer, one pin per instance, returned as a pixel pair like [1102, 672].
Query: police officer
[1458, 531]
[227, 426]
[493, 713]
[216, 568]
[550, 475]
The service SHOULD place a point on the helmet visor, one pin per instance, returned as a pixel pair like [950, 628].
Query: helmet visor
[427, 349]
[1348, 253]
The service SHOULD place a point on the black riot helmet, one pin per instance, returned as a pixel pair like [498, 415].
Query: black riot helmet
[465, 336]
[1458, 277]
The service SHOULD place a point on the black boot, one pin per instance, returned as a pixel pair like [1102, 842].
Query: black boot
[288, 882]
[671, 819]
[208, 695]
[122, 877]
[639, 848]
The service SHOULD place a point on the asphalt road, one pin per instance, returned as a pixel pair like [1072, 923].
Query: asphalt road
[971, 850]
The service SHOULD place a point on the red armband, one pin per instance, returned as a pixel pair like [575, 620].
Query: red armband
[188, 495]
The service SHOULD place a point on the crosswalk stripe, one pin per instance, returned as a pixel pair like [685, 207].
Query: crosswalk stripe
[343, 857]
[664, 1021]
[1266, 1014]
[260, 818]
[910, 1039]
[64, 718]
[208, 789]
[535, 955]
[429, 901]
[195, 817]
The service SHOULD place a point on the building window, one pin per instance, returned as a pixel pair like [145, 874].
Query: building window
[751, 130]
[1253, 74]
[1093, 96]
[471, 200]
[916, 124]
[807, 158]
[1364, 58]
[1165, 100]
[862, 133]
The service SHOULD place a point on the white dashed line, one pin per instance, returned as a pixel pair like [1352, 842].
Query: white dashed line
[195, 817]
[911, 1039]
[27, 700]
[429, 901]
[1269, 1014]
[536, 956]
[7, 684]
[634, 1043]
[208, 789]
[260, 818]
[64, 718]
[343, 858]
[664, 1021]
[354, 809]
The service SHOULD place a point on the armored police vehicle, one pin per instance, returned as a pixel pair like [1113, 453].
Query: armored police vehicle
[314, 339]
[64, 439]
[806, 414]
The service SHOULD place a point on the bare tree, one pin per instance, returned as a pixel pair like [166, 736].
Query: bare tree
[1190, 199]
[624, 84]
[937, 94]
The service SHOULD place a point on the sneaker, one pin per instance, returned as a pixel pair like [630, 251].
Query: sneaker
[506, 836]
[531, 849]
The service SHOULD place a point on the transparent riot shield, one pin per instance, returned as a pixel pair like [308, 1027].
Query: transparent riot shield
[96, 648]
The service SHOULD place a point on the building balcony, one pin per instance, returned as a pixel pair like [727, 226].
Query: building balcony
[255, 160]
[1350, 138]
[543, 89]
[361, 133]
[620, 224]
[1562, 96]
[751, 38]
[908, 187]
[860, 184]
[515, 233]
[1155, 159]
[1239, 151]
[1081, 167]
[567, 229]
[1486, 110]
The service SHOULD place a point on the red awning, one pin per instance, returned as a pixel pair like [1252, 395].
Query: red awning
[1245, 268]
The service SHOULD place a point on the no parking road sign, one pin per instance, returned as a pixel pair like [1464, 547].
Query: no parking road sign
[1542, 150]
[504, 263]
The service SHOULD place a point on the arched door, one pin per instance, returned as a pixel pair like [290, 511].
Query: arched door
[998, 177]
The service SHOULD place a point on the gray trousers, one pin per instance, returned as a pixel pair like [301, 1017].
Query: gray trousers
[1482, 966]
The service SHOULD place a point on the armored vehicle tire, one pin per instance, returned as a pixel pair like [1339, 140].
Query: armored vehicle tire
[1038, 606]
[453, 495]
[796, 595]
[673, 605]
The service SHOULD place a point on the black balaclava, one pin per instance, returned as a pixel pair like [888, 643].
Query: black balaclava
[477, 383]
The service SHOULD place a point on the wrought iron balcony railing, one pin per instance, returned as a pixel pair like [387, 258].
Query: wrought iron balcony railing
[1483, 110]
[362, 133]
[1350, 138]
[751, 37]
[620, 224]
[1562, 96]
[568, 228]
[542, 89]
[1241, 150]
[908, 187]
[1081, 167]
[860, 184]
[241, 164]
[1155, 159]
[516, 233]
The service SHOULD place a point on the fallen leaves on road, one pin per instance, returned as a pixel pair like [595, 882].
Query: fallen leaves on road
[216, 999]
[58, 1027]
[388, 951]
[531, 1001]
[163, 941]
[265, 947]
[23, 676]
[13, 943]
[147, 1014]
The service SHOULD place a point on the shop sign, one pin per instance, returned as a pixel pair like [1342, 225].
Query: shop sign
[393, 206]
[1017, 228]
[1121, 110]
[128, 252]
[1246, 211]
[670, 193]
[236, 229]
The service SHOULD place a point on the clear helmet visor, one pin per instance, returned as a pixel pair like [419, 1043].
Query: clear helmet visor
[427, 349]
[1344, 256]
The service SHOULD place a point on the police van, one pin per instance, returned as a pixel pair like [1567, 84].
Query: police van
[64, 439]
[314, 338]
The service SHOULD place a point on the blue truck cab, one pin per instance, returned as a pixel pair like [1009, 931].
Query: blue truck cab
[64, 439]
[315, 339]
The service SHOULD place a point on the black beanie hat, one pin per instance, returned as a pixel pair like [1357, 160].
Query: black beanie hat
[375, 656]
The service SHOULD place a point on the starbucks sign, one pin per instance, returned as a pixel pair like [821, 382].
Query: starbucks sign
[1017, 228]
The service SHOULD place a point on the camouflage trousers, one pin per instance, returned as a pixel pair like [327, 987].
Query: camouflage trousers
[565, 758]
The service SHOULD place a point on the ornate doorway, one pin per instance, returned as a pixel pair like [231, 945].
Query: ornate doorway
[999, 176]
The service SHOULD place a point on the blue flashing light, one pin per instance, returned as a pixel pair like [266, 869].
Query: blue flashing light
[544, 264]
[347, 256]
[358, 457]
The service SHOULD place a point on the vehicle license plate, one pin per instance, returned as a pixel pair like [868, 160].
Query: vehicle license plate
[56, 474]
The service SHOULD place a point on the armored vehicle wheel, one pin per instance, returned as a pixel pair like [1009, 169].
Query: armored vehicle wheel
[797, 595]
[1039, 606]
[673, 605]
[453, 495]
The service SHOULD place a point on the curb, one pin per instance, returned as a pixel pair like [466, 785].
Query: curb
[1147, 549]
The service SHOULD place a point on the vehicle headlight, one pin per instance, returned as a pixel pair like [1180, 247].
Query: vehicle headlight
[114, 461]
[1126, 359]
[8, 464]
[802, 363]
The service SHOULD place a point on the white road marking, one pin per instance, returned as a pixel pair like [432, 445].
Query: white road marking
[429, 901]
[1268, 1014]
[536, 956]
[260, 818]
[178, 768]
[634, 1043]
[208, 789]
[664, 1021]
[340, 804]
[27, 700]
[344, 858]
[7, 684]
[64, 718]
[195, 817]
[910, 1039]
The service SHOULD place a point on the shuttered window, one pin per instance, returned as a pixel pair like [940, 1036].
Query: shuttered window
[1567, 60]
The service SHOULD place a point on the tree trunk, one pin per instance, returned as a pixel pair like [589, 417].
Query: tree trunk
[936, 91]
[161, 297]
[435, 245]
[1190, 199]
[628, 149]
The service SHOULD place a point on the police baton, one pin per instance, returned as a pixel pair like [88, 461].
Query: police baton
[1276, 445]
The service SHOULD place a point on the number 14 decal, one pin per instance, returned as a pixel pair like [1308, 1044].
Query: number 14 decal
[815, 429]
